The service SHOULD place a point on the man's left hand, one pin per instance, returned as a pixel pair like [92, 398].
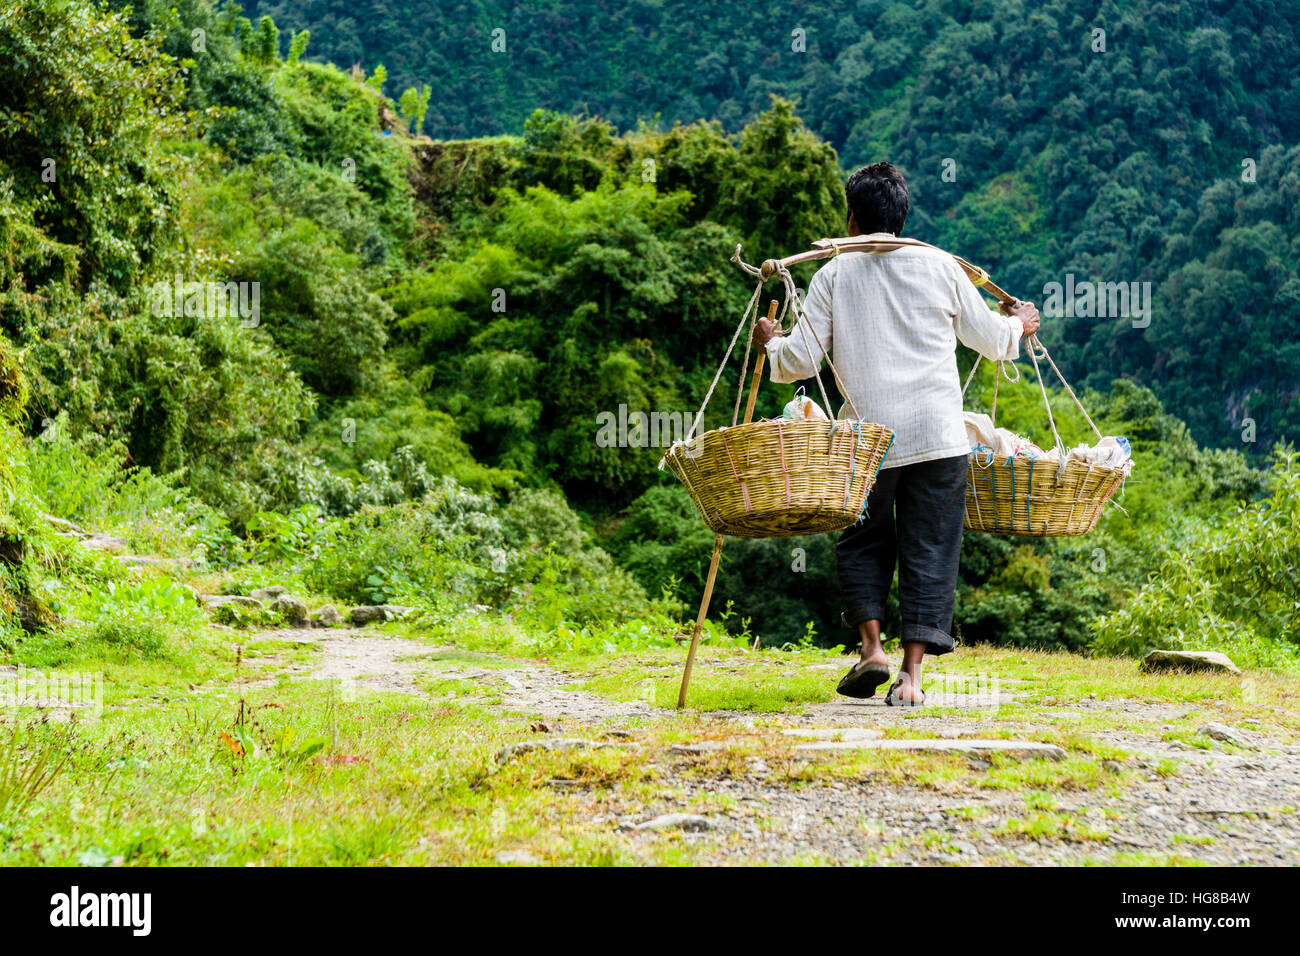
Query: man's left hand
[764, 331]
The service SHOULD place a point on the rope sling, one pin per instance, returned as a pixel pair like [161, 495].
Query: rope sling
[778, 477]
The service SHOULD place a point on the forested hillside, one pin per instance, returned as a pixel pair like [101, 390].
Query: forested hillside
[1033, 144]
[407, 410]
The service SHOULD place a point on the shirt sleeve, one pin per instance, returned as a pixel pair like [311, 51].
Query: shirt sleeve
[797, 354]
[992, 334]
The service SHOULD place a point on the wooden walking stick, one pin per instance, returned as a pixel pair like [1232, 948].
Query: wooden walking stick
[754, 382]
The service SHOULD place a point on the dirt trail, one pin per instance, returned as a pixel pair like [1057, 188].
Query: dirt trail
[1215, 806]
[377, 662]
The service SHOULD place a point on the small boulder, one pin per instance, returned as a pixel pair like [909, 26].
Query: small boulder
[214, 601]
[104, 542]
[678, 821]
[1206, 661]
[66, 527]
[269, 594]
[327, 616]
[1225, 734]
[369, 613]
[291, 609]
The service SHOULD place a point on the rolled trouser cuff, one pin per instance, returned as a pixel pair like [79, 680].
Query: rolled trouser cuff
[853, 616]
[935, 640]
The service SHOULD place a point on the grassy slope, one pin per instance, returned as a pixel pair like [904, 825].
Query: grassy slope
[412, 778]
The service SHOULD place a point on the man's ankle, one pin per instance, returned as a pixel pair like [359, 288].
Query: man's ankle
[872, 651]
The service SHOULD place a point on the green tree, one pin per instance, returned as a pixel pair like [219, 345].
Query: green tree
[298, 45]
[413, 105]
[266, 46]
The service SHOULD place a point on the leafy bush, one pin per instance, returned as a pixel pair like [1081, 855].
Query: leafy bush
[539, 518]
[141, 616]
[1234, 589]
[89, 482]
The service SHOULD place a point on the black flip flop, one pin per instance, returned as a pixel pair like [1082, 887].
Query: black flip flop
[862, 680]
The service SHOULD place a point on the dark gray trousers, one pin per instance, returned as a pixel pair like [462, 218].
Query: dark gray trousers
[914, 519]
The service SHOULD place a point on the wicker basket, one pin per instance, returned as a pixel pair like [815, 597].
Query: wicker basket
[777, 478]
[1019, 496]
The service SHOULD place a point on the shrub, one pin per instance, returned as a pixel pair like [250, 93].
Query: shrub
[141, 616]
[1233, 589]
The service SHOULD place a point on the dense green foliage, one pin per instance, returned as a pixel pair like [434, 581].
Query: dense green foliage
[410, 414]
[1116, 159]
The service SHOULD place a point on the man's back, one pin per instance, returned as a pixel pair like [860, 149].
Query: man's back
[891, 321]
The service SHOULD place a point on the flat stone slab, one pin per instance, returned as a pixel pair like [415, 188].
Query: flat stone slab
[969, 745]
[558, 743]
[104, 542]
[698, 747]
[554, 743]
[220, 600]
[1230, 735]
[835, 733]
[1208, 661]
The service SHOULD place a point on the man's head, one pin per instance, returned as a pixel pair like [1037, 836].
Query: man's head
[877, 197]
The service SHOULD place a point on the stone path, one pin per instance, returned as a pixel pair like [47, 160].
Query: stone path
[376, 662]
[1213, 806]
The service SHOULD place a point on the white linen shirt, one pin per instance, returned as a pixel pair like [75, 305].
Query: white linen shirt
[891, 321]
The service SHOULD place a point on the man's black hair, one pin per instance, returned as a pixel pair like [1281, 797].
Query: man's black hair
[877, 197]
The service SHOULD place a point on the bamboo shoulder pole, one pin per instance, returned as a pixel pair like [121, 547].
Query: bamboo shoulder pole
[754, 382]
[826, 248]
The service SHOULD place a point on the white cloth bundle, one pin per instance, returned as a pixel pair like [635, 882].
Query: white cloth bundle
[984, 437]
[801, 407]
[1109, 452]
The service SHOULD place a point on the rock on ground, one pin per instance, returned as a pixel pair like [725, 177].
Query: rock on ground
[1009, 748]
[327, 616]
[369, 613]
[1226, 734]
[678, 821]
[291, 609]
[214, 601]
[1189, 660]
[104, 542]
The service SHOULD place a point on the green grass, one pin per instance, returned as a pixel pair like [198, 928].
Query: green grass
[383, 778]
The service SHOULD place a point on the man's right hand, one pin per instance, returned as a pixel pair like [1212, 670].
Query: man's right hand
[1028, 315]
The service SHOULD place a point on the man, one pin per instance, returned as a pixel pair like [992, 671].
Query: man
[892, 320]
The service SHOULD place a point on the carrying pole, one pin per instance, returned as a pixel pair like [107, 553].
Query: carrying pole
[827, 248]
[754, 382]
